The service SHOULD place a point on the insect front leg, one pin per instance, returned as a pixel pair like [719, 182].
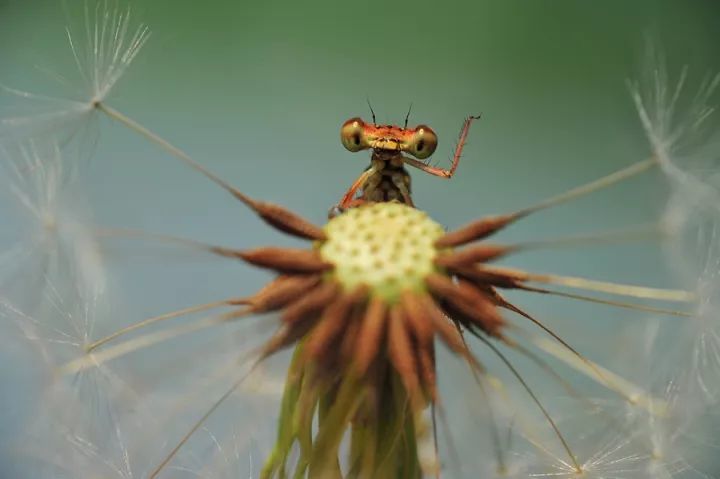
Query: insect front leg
[442, 172]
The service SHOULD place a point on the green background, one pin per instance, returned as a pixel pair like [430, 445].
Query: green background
[257, 92]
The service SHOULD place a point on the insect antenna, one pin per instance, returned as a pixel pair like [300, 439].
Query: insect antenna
[407, 117]
[372, 112]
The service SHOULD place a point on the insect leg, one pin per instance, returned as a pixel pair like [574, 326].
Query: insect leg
[359, 183]
[400, 179]
[442, 172]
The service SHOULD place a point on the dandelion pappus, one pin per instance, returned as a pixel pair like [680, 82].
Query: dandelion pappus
[386, 179]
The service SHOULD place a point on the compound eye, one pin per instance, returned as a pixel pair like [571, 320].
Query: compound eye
[423, 142]
[352, 135]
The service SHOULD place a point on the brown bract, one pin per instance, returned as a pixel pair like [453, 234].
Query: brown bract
[316, 307]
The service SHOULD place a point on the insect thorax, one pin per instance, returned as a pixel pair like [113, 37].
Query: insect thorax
[390, 179]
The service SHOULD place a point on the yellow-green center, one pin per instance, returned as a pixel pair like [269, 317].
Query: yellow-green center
[387, 246]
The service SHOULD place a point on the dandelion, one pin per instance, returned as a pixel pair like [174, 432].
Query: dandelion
[52, 234]
[694, 368]
[679, 122]
[103, 48]
[363, 308]
[63, 440]
[53, 282]
[96, 420]
[632, 441]
[680, 126]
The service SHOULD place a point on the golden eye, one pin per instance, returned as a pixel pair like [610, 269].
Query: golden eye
[352, 135]
[423, 142]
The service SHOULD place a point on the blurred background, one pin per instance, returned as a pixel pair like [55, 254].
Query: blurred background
[257, 91]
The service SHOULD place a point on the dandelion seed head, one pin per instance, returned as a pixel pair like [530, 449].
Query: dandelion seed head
[610, 438]
[390, 249]
[103, 47]
[32, 115]
[694, 250]
[106, 45]
[78, 425]
[680, 120]
[52, 234]
[677, 118]
[386, 246]
[674, 439]
[681, 124]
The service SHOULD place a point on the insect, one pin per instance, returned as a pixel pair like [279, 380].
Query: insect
[386, 179]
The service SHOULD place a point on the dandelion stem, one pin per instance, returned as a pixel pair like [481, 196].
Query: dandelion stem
[591, 187]
[542, 364]
[563, 343]
[121, 349]
[173, 150]
[454, 456]
[633, 393]
[161, 317]
[332, 425]
[620, 289]
[485, 252]
[545, 328]
[619, 304]
[490, 225]
[616, 288]
[134, 233]
[200, 422]
[433, 415]
[639, 233]
[278, 217]
[535, 399]
[495, 428]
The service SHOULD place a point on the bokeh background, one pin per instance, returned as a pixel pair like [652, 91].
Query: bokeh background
[257, 91]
